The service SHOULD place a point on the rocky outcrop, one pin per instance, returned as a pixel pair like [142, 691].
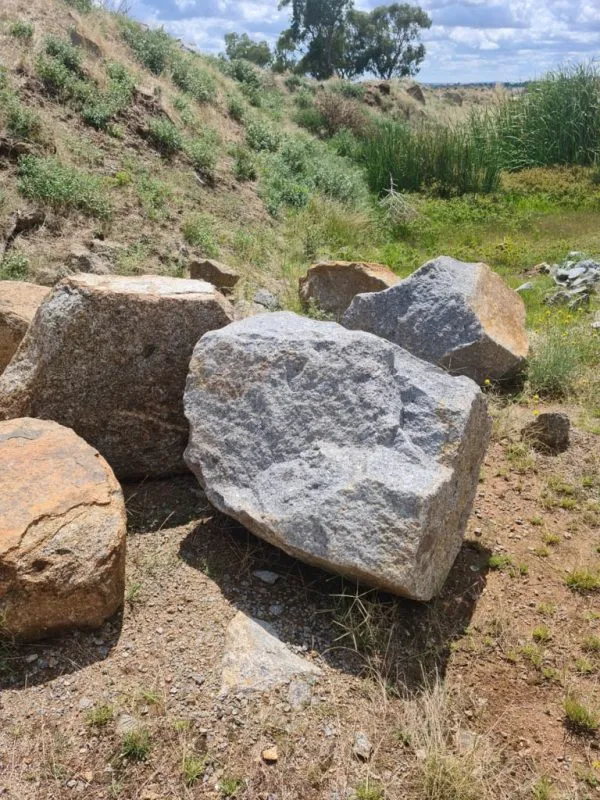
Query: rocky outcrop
[108, 357]
[340, 448]
[332, 285]
[462, 317]
[220, 275]
[256, 660]
[62, 532]
[18, 303]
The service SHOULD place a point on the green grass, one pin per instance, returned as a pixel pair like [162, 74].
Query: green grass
[192, 78]
[99, 716]
[230, 787]
[152, 47]
[202, 152]
[198, 231]
[165, 136]
[582, 579]
[136, 745]
[579, 717]
[500, 561]
[14, 266]
[62, 187]
[21, 30]
[368, 791]
[193, 768]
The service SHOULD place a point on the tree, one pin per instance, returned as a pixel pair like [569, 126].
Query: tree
[318, 29]
[244, 47]
[394, 31]
[358, 43]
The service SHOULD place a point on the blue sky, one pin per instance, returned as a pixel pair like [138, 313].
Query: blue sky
[470, 40]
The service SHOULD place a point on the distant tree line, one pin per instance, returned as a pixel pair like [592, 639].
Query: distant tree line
[332, 37]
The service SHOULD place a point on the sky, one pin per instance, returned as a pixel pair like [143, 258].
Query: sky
[469, 41]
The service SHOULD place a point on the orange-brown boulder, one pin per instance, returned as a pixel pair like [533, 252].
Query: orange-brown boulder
[18, 303]
[62, 532]
[332, 285]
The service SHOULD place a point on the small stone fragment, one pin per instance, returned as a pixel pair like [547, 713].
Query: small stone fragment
[266, 576]
[270, 755]
[267, 299]
[549, 432]
[220, 275]
[362, 749]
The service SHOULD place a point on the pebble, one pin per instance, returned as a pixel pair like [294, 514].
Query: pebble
[266, 576]
[362, 749]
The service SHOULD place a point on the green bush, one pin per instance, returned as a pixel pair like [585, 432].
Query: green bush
[202, 152]
[261, 136]
[14, 266]
[21, 30]
[305, 98]
[236, 108]
[352, 91]
[152, 47]
[244, 165]
[310, 118]
[192, 79]
[561, 353]
[21, 122]
[165, 136]
[153, 194]
[62, 187]
[293, 82]
[63, 52]
[198, 231]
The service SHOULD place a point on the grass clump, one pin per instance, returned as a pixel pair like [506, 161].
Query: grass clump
[561, 354]
[198, 231]
[62, 187]
[541, 634]
[542, 789]
[582, 579]
[500, 561]
[192, 768]
[21, 122]
[99, 716]
[579, 717]
[165, 136]
[21, 30]
[136, 745]
[230, 787]
[368, 791]
[591, 644]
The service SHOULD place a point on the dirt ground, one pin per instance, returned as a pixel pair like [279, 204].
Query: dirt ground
[507, 644]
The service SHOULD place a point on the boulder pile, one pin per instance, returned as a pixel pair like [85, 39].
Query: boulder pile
[577, 279]
[460, 316]
[340, 448]
[62, 532]
[108, 356]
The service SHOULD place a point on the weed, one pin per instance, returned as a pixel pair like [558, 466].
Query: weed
[584, 666]
[500, 561]
[83, 6]
[537, 521]
[533, 654]
[261, 136]
[202, 152]
[193, 768]
[165, 136]
[14, 266]
[582, 579]
[62, 187]
[193, 79]
[368, 791]
[132, 595]
[136, 745]
[546, 609]
[152, 47]
[578, 717]
[198, 231]
[591, 644]
[63, 52]
[236, 108]
[338, 113]
[99, 716]
[21, 30]
[541, 634]
[153, 194]
[244, 165]
[551, 539]
[542, 789]
[230, 787]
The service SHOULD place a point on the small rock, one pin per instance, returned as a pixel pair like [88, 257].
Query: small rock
[84, 703]
[197, 678]
[125, 724]
[31, 658]
[362, 749]
[267, 299]
[276, 610]
[525, 287]
[549, 432]
[270, 755]
[82, 260]
[299, 694]
[220, 275]
[266, 576]
[416, 93]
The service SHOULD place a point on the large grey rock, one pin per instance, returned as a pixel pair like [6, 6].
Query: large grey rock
[108, 356]
[337, 446]
[256, 660]
[462, 317]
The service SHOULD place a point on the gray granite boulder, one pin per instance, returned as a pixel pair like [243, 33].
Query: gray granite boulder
[340, 448]
[462, 317]
[108, 357]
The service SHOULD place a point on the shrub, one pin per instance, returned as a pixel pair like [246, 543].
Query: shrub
[202, 152]
[62, 187]
[293, 82]
[165, 136]
[21, 122]
[261, 136]
[582, 579]
[198, 232]
[14, 266]
[153, 194]
[311, 119]
[352, 91]
[192, 79]
[152, 47]
[305, 98]
[83, 6]
[236, 108]
[21, 30]
[338, 112]
[63, 52]
[559, 355]
[244, 165]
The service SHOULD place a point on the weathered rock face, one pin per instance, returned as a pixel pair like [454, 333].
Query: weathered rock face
[332, 285]
[256, 660]
[108, 357]
[62, 531]
[18, 303]
[460, 316]
[220, 275]
[340, 448]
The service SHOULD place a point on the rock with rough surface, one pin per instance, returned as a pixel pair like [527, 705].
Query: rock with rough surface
[256, 660]
[18, 303]
[332, 285]
[220, 275]
[549, 432]
[108, 357]
[462, 317]
[337, 446]
[62, 532]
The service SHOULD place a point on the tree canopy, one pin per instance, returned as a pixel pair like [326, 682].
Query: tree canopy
[243, 46]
